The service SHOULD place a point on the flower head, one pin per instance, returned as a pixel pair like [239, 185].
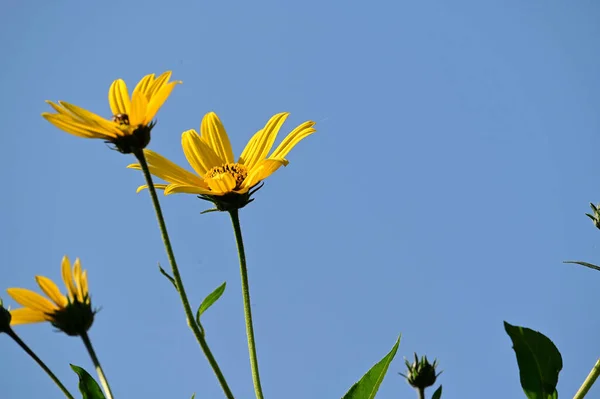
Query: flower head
[219, 177]
[596, 216]
[132, 120]
[421, 374]
[5, 318]
[71, 314]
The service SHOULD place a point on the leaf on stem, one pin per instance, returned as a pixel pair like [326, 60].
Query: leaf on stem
[539, 362]
[88, 387]
[591, 266]
[208, 302]
[164, 273]
[437, 394]
[368, 385]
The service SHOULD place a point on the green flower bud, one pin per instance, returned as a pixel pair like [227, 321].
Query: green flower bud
[421, 374]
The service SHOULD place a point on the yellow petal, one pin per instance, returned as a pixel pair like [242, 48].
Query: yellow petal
[51, 291]
[118, 97]
[250, 147]
[77, 278]
[221, 184]
[74, 128]
[137, 116]
[164, 169]
[158, 99]
[179, 188]
[198, 153]
[213, 132]
[68, 277]
[299, 133]
[159, 83]
[264, 169]
[58, 108]
[89, 118]
[265, 141]
[84, 285]
[31, 300]
[156, 186]
[26, 316]
[144, 85]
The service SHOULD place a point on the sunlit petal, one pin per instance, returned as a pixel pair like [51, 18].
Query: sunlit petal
[118, 97]
[51, 290]
[68, 277]
[77, 279]
[262, 170]
[221, 184]
[198, 153]
[213, 132]
[138, 109]
[158, 99]
[265, 141]
[298, 134]
[30, 299]
[178, 188]
[26, 316]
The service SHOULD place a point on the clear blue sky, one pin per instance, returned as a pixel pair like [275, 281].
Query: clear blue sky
[455, 158]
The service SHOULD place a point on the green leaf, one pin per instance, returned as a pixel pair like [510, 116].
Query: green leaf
[368, 385]
[210, 300]
[87, 385]
[164, 273]
[437, 394]
[539, 362]
[193, 396]
[583, 264]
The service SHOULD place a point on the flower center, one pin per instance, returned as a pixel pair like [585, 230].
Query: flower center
[121, 119]
[237, 171]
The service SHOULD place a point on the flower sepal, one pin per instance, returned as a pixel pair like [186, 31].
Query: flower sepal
[231, 201]
[135, 142]
[75, 319]
[5, 318]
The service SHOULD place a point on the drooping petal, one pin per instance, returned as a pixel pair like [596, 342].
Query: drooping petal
[77, 277]
[200, 156]
[265, 141]
[68, 277]
[118, 97]
[178, 188]
[31, 300]
[68, 125]
[213, 132]
[26, 316]
[221, 184]
[164, 169]
[90, 118]
[84, 285]
[137, 115]
[156, 186]
[51, 291]
[299, 133]
[262, 170]
[158, 99]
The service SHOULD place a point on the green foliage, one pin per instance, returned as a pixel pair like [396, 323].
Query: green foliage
[167, 275]
[368, 385]
[88, 387]
[539, 362]
[591, 266]
[437, 394]
[208, 302]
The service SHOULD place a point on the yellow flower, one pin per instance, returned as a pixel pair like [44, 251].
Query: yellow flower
[72, 313]
[131, 123]
[219, 177]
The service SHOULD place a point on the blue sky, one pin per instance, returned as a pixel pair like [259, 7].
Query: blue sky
[455, 157]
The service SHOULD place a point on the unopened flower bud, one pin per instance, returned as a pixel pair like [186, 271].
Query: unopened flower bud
[421, 374]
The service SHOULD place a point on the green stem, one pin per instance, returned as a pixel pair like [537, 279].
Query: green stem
[589, 381]
[39, 361]
[235, 220]
[189, 315]
[421, 393]
[101, 375]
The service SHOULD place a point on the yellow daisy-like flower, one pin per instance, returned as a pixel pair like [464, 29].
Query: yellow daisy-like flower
[71, 313]
[132, 120]
[220, 179]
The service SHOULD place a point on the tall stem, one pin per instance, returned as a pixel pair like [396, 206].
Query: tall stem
[235, 220]
[589, 381]
[189, 315]
[101, 375]
[39, 361]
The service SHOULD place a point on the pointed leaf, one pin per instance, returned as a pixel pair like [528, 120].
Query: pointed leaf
[539, 362]
[437, 394]
[591, 266]
[210, 300]
[164, 273]
[193, 396]
[368, 385]
[88, 387]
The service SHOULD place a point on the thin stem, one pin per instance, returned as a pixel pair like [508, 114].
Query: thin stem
[39, 361]
[421, 393]
[235, 220]
[101, 375]
[189, 315]
[589, 381]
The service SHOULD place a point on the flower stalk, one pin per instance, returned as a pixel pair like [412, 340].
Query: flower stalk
[139, 154]
[39, 361]
[99, 370]
[589, 381]
[235, 220]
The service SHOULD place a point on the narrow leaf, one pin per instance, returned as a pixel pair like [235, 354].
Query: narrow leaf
[164, 273]
[591, 266]
[210, 300]
[539, 362]
[437, 394]
[193, 396]
[88, 387]
[368, 385]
